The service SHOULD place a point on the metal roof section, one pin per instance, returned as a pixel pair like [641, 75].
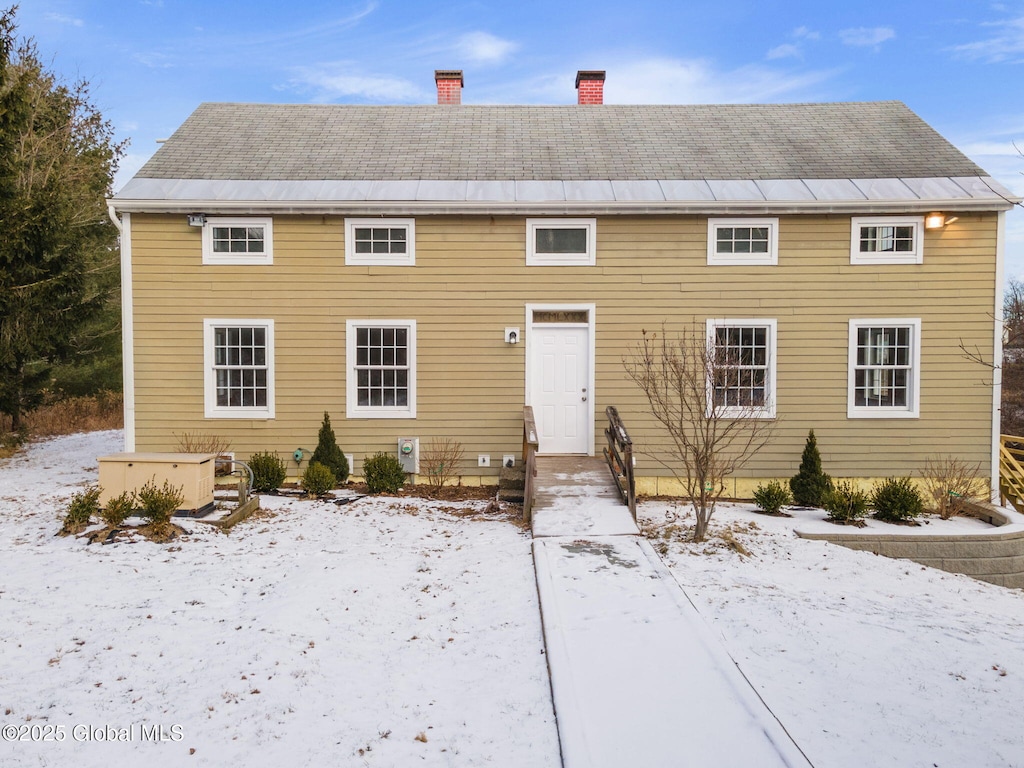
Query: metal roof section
[695, 196]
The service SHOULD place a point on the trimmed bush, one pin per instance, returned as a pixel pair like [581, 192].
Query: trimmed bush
[771, 498]
[158, 504]
[846, 504]
[329, 454]
[118, 509]
[810, 486]
[897, 500]
[81, 508]
[268, 472]
[317, 479]
[383, 473]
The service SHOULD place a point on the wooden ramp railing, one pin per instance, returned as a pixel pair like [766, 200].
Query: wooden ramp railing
[619, 455]
[530, 445]
[1011, 471]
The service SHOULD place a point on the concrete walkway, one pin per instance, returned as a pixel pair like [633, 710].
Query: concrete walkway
[638, 678]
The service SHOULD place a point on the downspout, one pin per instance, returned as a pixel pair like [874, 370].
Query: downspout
[997, 353]
[124, 227]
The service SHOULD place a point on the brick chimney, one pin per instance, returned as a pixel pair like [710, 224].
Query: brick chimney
[590, 86]
[449, 86]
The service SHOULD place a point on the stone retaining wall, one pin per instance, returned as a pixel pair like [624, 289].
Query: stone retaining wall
[996, 557]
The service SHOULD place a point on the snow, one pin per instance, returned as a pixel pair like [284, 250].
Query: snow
[327, 635]
[586, 505]
[320, 635]
[637, 676]
[866, 660]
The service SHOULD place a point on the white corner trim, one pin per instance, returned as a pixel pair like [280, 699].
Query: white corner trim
[127, 334]
[997, 352]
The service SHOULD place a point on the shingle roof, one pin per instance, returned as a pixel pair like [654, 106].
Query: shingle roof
[253, 142]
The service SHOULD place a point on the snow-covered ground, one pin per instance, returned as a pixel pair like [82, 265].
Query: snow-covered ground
[325, 635]
[382, 633]
[868, 661]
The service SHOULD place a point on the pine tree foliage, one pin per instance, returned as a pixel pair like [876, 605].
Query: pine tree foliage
[58, 254]
[810, 486]
[328, 453]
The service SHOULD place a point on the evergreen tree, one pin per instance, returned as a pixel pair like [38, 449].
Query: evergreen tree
[328, 453]
[810, 485]
[58, 254]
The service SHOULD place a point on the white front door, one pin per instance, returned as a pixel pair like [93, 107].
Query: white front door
[559, 391]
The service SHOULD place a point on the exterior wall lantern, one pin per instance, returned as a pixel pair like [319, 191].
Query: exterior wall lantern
[197, 219]
[512, 335]
[938, 220]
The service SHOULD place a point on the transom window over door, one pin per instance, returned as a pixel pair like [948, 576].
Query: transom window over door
[742, 367]
[884, 378]
[239, 368]
[382, 368]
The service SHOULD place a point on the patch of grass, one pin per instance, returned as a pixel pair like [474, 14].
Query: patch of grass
[66, 417]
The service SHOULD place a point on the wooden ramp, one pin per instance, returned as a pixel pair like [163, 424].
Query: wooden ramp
[576, 496]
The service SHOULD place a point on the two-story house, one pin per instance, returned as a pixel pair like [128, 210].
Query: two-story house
[425, 271]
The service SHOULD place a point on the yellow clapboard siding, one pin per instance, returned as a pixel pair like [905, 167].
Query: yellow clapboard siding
[470, 280]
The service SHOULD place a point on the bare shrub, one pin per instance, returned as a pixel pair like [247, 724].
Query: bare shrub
[950, 484]
[440, 461]
[200, 442]
[715, 427]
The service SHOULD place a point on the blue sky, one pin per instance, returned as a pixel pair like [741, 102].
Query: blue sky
[959, 65]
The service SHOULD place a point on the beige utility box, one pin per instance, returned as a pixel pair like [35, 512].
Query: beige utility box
[193, 472]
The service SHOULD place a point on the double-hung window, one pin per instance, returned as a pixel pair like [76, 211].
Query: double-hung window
[381, 362]
[380, 242]
[242, 240]
[884, 368]
[741, 367]
[743, 241]
[560, 242]
[886, 240]
[239, 369]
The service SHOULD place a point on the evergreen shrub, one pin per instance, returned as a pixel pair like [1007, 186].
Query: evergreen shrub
[810, 485]
[897, 500]
[329, 454]
[317, 479]
[268, 472]
[383, 473]
[846, 504]
[772, 497]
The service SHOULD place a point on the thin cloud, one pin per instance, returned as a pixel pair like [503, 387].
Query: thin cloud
[342, 81]
[484, 48]
[804, 33]
[60, 18]
[1006, 45]
[785, 51]
[678, 81]
[866, 36]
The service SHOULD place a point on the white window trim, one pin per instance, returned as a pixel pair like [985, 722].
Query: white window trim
[915, 256]
[352, 409]
[407, 259]
[535, 259]
[267, 257]
[211, 409]
[750, 259]
[767, 411]
[913, 409]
